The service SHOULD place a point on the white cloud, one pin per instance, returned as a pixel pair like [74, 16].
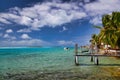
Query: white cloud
[24, 30]
[63, 42]
[101, 7]
[64, 29]
[40, 15]
[53, 13]
[10, 17]
[4, 21]
[96, 20]
[64, 6]
[9, 31]
[25, 21]
[25, 36]
[7, 36]
[30, 42]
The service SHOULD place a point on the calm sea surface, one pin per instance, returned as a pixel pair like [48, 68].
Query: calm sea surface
[35, 58]
[54, 59]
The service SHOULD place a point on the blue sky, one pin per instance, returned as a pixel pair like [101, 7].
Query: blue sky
[51, 22]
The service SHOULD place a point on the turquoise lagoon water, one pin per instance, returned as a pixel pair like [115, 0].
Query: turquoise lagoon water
[48, 58]
[54, 58]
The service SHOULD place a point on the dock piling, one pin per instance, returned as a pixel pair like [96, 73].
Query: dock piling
[91, 58]
[76, 53]
[97, 61]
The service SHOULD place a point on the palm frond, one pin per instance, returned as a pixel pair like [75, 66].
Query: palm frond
[98, 27]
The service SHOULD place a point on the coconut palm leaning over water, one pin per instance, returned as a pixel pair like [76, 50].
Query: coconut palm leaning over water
[110, 31]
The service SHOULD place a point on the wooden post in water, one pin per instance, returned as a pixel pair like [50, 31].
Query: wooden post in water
[91, 53]
[91, 49]
[91, 58]
[76, 52]
[97, 61]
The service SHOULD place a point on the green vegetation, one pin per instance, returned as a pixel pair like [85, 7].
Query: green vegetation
[95, 39]
[110, 31]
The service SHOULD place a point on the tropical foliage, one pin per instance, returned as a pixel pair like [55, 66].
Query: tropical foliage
[95, 39]
[110, 31]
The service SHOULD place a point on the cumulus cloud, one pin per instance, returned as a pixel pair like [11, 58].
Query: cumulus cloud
[56, 13]
[63, 42]
[9, 31]
[10, 17]
[24, 20]
[102, 7]
[4, 21]
[7, 36]
[40, 15]
[53, 14]
[96, 9]
[30, 42]
[25, 36]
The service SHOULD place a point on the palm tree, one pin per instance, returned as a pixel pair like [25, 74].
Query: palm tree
[95, 40]
[110, 32]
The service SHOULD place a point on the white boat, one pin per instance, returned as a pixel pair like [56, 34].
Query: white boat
[66, 48]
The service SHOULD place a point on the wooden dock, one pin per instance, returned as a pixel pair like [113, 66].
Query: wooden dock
[100, 55]
[94, 57]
